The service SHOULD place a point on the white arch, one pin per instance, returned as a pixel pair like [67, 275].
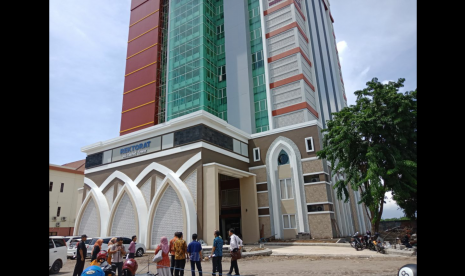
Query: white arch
[181, 188]
[282, 143]
[125, 189]
[101, 203]
[135, 194]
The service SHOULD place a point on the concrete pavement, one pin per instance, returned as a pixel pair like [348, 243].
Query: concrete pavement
[326, 251]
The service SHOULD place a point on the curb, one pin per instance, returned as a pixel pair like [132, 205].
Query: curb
[400, 252]
[264, 252]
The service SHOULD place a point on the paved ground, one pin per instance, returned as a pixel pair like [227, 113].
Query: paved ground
[306, 260]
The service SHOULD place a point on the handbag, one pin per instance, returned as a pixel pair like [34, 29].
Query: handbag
[236, 255]
[158, 257]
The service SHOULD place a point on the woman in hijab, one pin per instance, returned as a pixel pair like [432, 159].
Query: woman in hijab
[163, 266]
[110, 243]
[96, 249]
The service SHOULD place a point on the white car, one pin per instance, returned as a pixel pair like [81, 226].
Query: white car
[72, 247]
[140, 248]
[57, 254]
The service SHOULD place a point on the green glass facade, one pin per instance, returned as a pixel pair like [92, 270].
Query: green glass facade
[258, 69]
[196, 72]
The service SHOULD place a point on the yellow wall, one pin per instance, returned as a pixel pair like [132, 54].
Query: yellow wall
[68, 200]
[211, 207]
[249, 210]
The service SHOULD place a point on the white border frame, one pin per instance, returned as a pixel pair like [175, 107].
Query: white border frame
[259, 157]
[306, 144]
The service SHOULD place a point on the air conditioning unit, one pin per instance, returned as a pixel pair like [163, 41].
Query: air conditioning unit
[63, 218]
[57, 224]
[54, 218]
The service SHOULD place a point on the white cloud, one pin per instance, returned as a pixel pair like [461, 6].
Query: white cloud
[364, 72]
[386, 81]
[341, 46]
[390, 208]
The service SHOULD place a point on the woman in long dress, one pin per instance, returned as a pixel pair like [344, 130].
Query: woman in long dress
[163, 266]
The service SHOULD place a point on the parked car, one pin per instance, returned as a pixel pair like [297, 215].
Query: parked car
[140, 248]
[68, 238]
[57, 254]
[72, 247]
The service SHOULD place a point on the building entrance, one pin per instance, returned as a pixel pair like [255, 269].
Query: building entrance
[230, 206]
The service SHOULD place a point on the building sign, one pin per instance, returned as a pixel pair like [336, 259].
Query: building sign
[137, 149]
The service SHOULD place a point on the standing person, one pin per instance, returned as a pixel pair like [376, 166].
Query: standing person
[81, 256]
[194, 251]
[217, 253]
[96, 249]
[234, 246]
[163, 266]
[118, 250]
[175, 238]
[132, 247]
[180, 254]
[110, 243]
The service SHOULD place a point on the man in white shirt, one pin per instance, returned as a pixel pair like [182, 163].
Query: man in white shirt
[235, 245]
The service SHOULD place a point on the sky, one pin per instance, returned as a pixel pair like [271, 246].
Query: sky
[87, 57]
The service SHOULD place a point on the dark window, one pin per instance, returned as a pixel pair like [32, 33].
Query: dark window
[283, 158]
[62, 186]
[263, 211]
[51, 186]
[88, 241]
[107, 240]
[126, 241]
[256, 152]
[311, 178]
[58, 211]
[50, 244]
[309, 144]
[262, 187]
[315, 208]
[59, 242]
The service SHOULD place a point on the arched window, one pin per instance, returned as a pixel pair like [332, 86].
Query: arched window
[283, 158]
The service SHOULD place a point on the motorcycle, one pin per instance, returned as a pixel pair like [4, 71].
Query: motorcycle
[379, 247]
[356, 241]
[130, 268]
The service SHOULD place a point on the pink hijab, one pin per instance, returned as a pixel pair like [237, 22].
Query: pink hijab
[165, 247]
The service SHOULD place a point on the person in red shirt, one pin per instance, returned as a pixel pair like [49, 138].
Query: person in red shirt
[172, 252]
[163, 266]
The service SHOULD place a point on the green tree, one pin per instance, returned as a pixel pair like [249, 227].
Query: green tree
[373, 144]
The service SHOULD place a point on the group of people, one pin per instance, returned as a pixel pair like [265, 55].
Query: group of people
[180, 251]
[177, 248]
[116, 251]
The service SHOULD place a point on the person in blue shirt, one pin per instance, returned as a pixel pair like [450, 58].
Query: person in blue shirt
[217, 253]
[194, 251]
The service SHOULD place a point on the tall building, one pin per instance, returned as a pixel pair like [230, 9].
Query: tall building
[223, 106]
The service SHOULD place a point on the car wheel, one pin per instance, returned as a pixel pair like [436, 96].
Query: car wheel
[55, 267]
[139, 252]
